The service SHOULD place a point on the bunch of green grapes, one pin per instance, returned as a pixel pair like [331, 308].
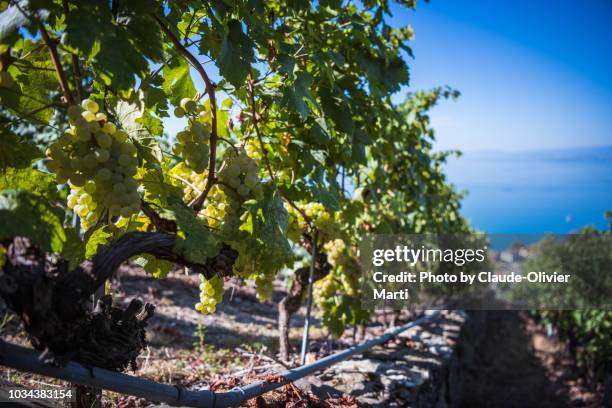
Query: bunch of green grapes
[335, 251]
[211, 294]
[325, 288]
[295, 227]
[98, 161]
[264, 284]
[192, 142]
[193, 184]
[343, 278]
[239, 174]
[322, 219]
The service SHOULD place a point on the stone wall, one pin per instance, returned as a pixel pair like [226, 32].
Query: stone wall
[423, 367]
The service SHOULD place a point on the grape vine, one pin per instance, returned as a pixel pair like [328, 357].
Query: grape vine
[294, 143]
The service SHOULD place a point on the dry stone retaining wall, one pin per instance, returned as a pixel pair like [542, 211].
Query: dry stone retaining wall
[423, 367]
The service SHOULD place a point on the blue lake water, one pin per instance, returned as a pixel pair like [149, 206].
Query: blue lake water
[535, 192]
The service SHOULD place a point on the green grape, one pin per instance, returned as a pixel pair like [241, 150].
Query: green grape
[234, 182]
[233, 169]
[101, 155]
[126, 211]
[131, 185]
[85, 199]
[53, 165]
[114, 210]
[191, 143]
[104, 174]
[183, 137]
[243, 190]
[78, 180]
[258, 192]
[90, 187]
[264, 286]
[200, 132]
[90, 161]
[194, 183]
[211, 294]
[74, 113]
[124, 160]
[83, 134]
[250, 180]
[104, 140]
[90, 105]
[188, 105]
[76, 163]
[109, 128]
[334, 250]
[89, 116]
[128, 148]
[130, 171]
[72, 201]
[119, 189]
[179, 112]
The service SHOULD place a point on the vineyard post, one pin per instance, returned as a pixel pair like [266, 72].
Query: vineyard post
[309, 301]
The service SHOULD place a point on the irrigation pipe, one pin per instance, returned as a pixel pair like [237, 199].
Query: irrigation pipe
[25, 359]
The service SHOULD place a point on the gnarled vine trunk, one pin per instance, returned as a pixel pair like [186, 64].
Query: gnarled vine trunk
[54, 302]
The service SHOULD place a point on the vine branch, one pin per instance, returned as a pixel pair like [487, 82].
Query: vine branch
[76, 71]
[255, 118]
[198, 202]
[57, 64]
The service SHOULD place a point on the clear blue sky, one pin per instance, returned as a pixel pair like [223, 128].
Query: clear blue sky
[533, 74]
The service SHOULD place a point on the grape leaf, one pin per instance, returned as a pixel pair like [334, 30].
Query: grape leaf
[236, 54]
[94, 17]
[32, 180]
[155, 188]
[294, 94]
[158, 268]
[27, 97]
[74, 249]
[96, 238]
[177, 81]
[15, 151]
[198, 242]
[324, 191]
[25, 215]
[127, 115]
[337, 109]
[263, 246]
[387, 75]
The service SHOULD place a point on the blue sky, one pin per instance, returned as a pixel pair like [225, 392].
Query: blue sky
[533, 74]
